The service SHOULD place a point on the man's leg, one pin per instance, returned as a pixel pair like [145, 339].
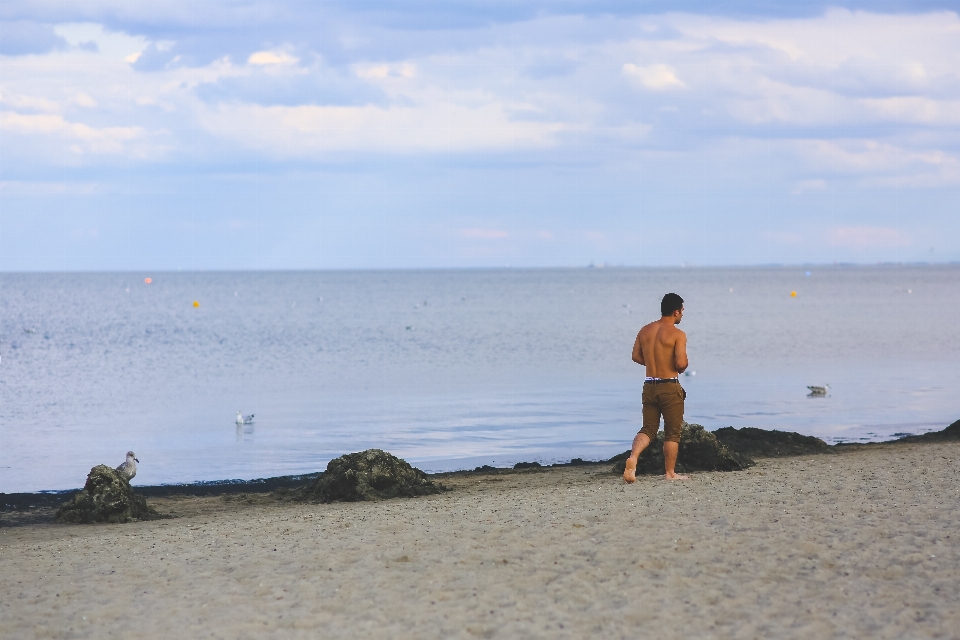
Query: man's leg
[670, 451]
[651, 424]
[639, 444]
[671, 400]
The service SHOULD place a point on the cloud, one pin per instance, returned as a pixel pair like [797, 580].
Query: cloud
[658, 77]
[83, 100]
[868, 237]
[311, 131]
[29, 103]
[878, 163]
[81, 138]
[262, 58]
[383, 71]
[23, 37]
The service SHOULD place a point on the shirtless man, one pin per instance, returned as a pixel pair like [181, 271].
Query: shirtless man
[662, 348]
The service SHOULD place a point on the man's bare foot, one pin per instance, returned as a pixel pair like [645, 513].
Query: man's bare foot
[630, 472]
[672, 476]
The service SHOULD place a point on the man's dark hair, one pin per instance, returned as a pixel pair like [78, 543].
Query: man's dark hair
[670, 303]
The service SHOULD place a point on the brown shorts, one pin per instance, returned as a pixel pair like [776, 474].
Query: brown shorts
[664, 399]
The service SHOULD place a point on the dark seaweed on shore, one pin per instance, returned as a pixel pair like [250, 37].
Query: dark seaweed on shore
[950, 433]
[748, 442]
[763, 443]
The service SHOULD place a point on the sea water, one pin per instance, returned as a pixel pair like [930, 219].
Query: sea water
[448, 369]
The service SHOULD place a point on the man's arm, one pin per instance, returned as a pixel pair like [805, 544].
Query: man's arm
[680, 352]
[638, 352]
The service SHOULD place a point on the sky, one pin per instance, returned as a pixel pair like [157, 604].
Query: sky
[242, 134]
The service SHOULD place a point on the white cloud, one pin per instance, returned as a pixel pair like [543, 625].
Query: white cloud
[658, 77]
[383, 71]
[311, 131]
[30, 103]
[85, 139]
[111, 44]
[868, 237]
[271, 58]
[914, 110]
[875, 160]
[83, 100]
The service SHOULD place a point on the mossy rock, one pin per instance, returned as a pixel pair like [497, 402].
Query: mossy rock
[369, 475]
[106, 497]
[699, 451]
[755, 442]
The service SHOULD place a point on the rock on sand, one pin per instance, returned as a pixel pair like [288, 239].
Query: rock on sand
[369, 475]
[950, 433]
[755, 442]
[699, 451]
[106, 497]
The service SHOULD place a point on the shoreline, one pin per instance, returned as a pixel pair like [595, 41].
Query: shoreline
[54, 498]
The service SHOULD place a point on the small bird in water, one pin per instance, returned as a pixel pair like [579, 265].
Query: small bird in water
[818, 392]
[129, 468]
[242, 419]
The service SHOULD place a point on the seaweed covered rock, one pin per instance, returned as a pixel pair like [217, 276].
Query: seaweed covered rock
[755, 442]
[528, 465]
[106, 497]
[950, 433]
[369, 475]
[699, 451]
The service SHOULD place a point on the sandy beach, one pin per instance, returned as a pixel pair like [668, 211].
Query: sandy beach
[860, 543]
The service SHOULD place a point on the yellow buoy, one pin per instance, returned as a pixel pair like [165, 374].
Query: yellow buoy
[793, 294]
[196, 304]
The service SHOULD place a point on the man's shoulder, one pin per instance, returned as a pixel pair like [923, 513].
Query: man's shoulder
[648, 327]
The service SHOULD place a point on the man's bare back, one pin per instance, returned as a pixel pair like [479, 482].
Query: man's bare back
[662, 348]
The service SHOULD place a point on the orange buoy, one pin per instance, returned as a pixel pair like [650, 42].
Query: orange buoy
[148, 280]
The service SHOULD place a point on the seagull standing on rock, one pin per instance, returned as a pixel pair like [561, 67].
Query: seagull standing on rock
[129, 468]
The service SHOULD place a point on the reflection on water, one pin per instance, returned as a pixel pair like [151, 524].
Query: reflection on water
[244, 432]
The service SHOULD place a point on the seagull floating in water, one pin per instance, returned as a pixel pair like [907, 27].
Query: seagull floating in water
[242, 419]
[817, 391]
[129, 468]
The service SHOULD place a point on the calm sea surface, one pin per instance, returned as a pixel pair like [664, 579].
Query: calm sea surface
[448, 369]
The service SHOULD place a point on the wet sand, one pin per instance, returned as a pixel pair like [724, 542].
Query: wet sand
[861, 543]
